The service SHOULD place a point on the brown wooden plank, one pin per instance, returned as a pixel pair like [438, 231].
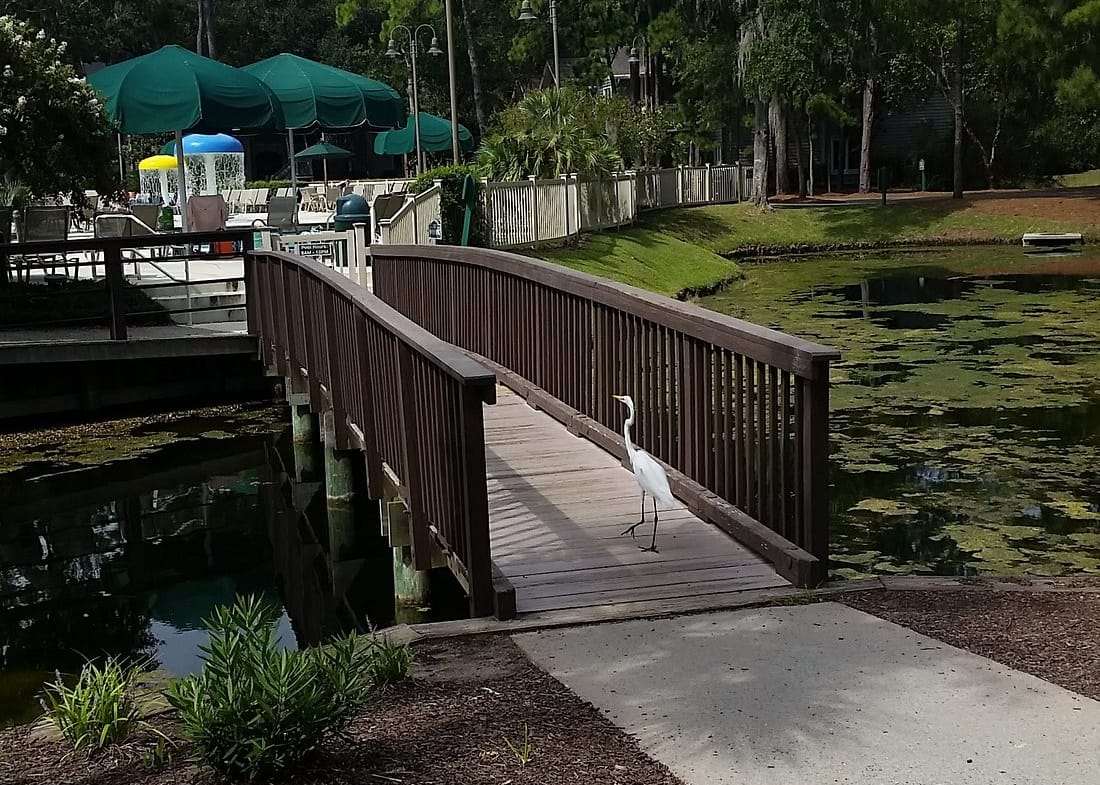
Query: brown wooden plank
[530, 605]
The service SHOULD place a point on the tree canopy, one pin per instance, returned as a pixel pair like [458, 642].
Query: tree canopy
[54, 136]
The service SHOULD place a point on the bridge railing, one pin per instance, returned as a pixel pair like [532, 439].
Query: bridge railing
[737, 411]
[34, 295]
[408, 400]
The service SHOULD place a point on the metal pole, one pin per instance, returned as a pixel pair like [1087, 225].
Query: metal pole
[293, 169]
[121, 167]
[554, 28]
[451, 78]
[416, 108]
[181, 182]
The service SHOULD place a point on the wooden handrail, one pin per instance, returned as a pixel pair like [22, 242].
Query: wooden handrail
[737, 412]
[107, 243]
[801, 357]
[406, 398]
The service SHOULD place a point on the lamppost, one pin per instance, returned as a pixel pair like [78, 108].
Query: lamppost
[435, 51]
[635, 60]
[451, 80]
[526, 14]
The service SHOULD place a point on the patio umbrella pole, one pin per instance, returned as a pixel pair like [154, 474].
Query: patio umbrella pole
[181, 182]
[293, 168]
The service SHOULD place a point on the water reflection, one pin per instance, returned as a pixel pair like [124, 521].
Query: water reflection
[129, 558]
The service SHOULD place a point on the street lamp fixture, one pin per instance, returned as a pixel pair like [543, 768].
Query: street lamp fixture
[392, 50]
[527, 14]
[635, 59]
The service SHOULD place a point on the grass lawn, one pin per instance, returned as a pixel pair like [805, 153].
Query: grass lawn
[679, 251]
[1080, 179]
[647, 257]
[727, 228]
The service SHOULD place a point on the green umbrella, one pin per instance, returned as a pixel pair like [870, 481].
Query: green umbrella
[324, 150]
[173, 89]
[435, 137]
[314, 94]
[318, 94]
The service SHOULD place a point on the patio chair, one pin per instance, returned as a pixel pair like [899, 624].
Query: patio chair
[148, 214]
[207, 213]
[124, 225]
[39, 224]
[282, 214]
[233, 201]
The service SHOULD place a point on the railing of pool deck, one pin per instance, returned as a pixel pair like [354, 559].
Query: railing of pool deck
[174, 251]
[401, 395]
[738, 413]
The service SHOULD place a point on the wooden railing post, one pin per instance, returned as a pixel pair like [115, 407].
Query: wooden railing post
[112, 262]
[410, 428]
[475, 502]
[252, 315]
[815, 466]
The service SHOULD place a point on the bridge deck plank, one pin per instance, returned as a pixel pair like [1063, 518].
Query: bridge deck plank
[557, 507]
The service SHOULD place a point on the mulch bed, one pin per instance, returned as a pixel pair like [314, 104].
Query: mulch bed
[1052, 635]
[450, 724]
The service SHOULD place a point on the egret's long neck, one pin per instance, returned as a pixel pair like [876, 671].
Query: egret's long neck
[630, 449]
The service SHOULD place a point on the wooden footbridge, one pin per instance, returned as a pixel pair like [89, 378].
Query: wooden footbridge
[478, 387]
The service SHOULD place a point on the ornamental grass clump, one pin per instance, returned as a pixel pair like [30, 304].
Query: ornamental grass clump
[256, 710]
[99, 710]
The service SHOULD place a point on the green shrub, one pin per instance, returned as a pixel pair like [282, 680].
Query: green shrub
[269, 184]
[389, 661]
[452, 206]
[256, 710]
[99, 710]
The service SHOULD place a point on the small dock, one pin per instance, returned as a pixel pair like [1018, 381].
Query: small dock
[557, 507]
[1045, 241]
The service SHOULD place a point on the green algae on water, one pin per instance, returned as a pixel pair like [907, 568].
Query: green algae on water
[966, 410]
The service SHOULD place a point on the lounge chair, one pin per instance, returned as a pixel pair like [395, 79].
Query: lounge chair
[282, 214]
[39, 224]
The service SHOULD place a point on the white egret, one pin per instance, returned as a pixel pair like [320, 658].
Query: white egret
[649, 474]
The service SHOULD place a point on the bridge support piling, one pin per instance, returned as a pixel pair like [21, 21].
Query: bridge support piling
[304, 435]
[339, 492]
[410, 586]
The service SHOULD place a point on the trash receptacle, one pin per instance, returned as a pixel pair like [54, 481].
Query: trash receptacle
[351, 209]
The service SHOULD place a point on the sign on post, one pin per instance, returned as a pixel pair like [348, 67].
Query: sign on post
[435, 230]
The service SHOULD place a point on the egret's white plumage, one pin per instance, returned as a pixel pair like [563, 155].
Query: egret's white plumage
[647, 471]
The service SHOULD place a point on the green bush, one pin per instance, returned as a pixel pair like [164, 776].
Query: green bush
[269, 184]
[255, 710]
[389, 662]
[452, 207]
[97, 711]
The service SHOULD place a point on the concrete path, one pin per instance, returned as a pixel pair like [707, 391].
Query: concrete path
[823, 694]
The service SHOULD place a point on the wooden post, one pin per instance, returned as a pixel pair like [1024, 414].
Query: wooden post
[565, 196]
[815, 467]
[680, 184]
[360, 253]
[475, 503]
[534, 211]
[339, 493]
[410, 585]
[708, 188]
[112, 261]
[305, 440]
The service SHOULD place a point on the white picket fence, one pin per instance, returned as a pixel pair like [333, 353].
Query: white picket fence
[346, 252]
[529, 212]
[412, 224]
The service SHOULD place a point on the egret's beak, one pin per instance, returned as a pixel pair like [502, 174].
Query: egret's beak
[618, 398]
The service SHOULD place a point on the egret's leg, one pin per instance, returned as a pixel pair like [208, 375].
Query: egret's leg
[653, 543]
[640, 522]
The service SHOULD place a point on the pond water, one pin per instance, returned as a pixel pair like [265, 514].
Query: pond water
[121, 537]
[966, 410]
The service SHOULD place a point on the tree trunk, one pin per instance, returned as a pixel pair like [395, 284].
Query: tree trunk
[960, 117]
[211, 48]
[865, 141]
[779, 133]
[760, 153]
[475, 67]
[801, 160]
[200, 35]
